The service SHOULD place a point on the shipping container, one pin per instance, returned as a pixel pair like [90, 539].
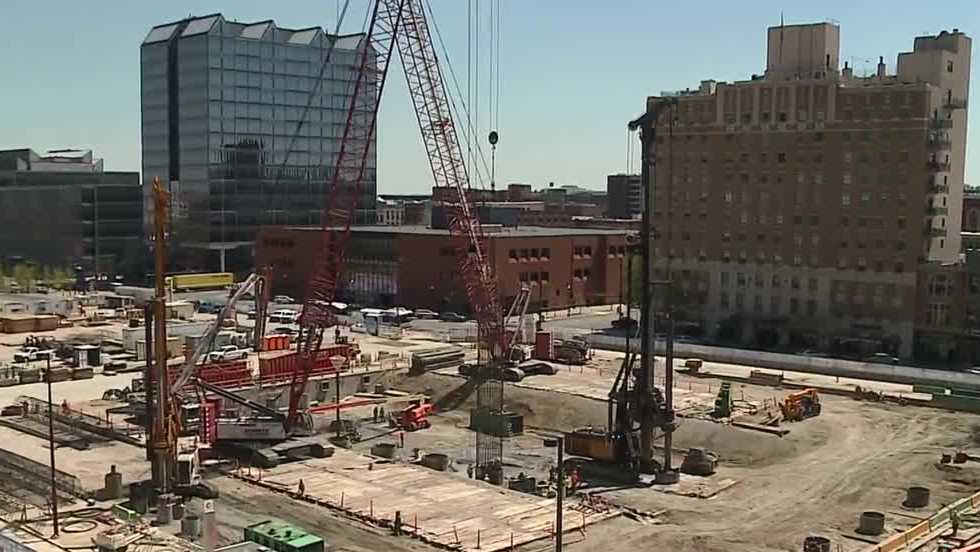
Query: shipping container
[214, 280]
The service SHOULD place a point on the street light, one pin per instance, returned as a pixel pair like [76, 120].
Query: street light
[558, 442]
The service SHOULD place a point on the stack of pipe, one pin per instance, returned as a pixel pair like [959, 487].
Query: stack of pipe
[435, 359]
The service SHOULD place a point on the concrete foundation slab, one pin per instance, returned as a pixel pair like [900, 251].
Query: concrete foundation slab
[441, 509]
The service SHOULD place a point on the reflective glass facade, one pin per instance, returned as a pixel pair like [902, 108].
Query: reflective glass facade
[222, 104]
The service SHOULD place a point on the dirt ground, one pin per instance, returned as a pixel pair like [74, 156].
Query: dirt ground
[856, 456]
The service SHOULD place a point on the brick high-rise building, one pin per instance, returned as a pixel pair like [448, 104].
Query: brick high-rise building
[794, 209]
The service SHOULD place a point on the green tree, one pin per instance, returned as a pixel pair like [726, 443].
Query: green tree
[25, 275]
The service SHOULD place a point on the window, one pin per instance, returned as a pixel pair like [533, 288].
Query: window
[724, 300]
[534, 277]
[774, 304]
[794, 305]
[758, 304]
[794, 282]
[588, 251]
[813, 284]
[939, 286]
[578, 274]
[739, 301]
[775, 281]
[759, 280]
[524, 254]
[781, 157]
[740, 279]
[544, 277]
[949, 66]
[811, 308]
[937, 314]
[534, 253]
[845, 199]
[587, 273]
[724, 278]
[512, 255]
[523, 277]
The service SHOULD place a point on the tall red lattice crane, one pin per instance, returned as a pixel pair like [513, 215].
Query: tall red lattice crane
[401, 22]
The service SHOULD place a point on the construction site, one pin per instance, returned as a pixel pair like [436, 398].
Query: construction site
[143, 423]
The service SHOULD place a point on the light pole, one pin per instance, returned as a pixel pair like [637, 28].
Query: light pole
[54, 489]
[560, 474]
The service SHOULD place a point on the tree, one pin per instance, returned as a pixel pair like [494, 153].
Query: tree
[25, 275]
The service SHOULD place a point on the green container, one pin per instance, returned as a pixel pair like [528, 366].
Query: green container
[282, 537]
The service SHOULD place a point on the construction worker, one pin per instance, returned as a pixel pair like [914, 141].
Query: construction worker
[302, 488]
[954, 522]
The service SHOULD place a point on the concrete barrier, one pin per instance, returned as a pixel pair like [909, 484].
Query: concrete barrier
[796, 363]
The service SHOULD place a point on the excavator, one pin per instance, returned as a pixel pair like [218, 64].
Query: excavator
[800, 405]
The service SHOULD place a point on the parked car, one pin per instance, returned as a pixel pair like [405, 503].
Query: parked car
[452, 317]
[625, 323]
[538, 369]
[251, 314]
[284, 330]
[426, 314]
[284, 316]
[228, 352]
[881, 358]
[209, 308]
[283, 300]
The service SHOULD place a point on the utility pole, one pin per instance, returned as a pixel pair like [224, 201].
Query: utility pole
[559, 442]
[54, 488]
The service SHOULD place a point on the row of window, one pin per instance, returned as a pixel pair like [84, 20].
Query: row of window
[860, 264]
[534, 277]
[742, 279]
[530, 254]
[775, 304]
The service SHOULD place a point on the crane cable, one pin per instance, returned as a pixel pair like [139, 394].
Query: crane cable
[314, 93]
[462, 108]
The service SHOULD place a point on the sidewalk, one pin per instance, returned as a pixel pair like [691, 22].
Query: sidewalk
[579, 312]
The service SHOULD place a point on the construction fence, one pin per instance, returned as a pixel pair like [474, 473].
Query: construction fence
[926, 529]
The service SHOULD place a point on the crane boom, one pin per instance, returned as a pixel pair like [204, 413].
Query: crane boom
[190, 363]
[432, 107]
[345, 189]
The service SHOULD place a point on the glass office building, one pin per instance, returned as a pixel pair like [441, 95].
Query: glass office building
[243, 122]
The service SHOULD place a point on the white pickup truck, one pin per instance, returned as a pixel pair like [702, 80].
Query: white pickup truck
[228, 352]
[30, 354]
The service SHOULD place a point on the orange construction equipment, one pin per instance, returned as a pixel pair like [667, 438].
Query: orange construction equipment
[800, 405]
[415, 416]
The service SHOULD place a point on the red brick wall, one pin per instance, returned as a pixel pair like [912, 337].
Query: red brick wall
[428, 276]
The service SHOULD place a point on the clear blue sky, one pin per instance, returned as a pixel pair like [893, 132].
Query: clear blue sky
[574, 71]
